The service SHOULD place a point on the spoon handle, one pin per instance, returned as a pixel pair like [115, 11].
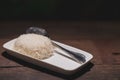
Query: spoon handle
[78, 57]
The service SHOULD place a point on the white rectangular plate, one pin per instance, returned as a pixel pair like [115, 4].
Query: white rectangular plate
[56, 62]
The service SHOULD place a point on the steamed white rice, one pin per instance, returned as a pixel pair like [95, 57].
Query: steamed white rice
[34, 45]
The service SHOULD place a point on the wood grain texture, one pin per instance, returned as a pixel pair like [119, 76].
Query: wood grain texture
[104, 46]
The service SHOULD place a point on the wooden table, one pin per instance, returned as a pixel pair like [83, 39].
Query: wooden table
[101, 40]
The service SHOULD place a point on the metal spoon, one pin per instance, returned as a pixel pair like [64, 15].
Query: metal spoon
[78, 57]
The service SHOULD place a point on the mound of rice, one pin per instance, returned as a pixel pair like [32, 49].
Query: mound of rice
[34, 45]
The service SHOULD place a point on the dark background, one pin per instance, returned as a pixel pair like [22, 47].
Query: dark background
[60, 9]
[60, 17]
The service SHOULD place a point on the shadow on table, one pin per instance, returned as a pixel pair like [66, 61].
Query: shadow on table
[81, 72]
